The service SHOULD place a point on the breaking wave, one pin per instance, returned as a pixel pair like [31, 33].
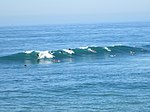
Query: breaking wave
[77, 53]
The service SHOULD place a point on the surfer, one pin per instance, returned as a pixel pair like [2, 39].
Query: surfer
[38, 60]
[132, 52]
[37, 55]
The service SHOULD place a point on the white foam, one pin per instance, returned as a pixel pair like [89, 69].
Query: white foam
[28, 52]
[106, 48]
[68, 51]
[89, 49]
[83, 47]
[112, 56]
[45, 54]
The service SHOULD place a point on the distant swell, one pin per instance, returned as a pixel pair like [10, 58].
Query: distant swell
[77, 53]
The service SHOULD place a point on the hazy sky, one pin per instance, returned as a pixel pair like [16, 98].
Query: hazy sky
[32, 12]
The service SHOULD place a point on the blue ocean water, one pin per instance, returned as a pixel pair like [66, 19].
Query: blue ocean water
[75, 68]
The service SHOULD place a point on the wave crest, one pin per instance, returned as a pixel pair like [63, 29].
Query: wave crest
[110, 51]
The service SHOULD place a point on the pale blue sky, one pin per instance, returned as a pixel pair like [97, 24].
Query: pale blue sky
[35, 12]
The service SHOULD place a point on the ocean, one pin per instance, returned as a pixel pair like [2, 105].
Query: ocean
[75, 68]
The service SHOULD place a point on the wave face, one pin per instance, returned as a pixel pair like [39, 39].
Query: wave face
[59, 55]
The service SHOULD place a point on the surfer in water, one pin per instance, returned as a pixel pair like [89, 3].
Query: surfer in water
[37, 55]
[70, 51]
[38, 60]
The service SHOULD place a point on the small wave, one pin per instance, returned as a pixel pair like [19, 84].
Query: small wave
[58, 55]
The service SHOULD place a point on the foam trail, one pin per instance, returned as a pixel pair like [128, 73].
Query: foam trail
[106, 48]
[89, 49]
